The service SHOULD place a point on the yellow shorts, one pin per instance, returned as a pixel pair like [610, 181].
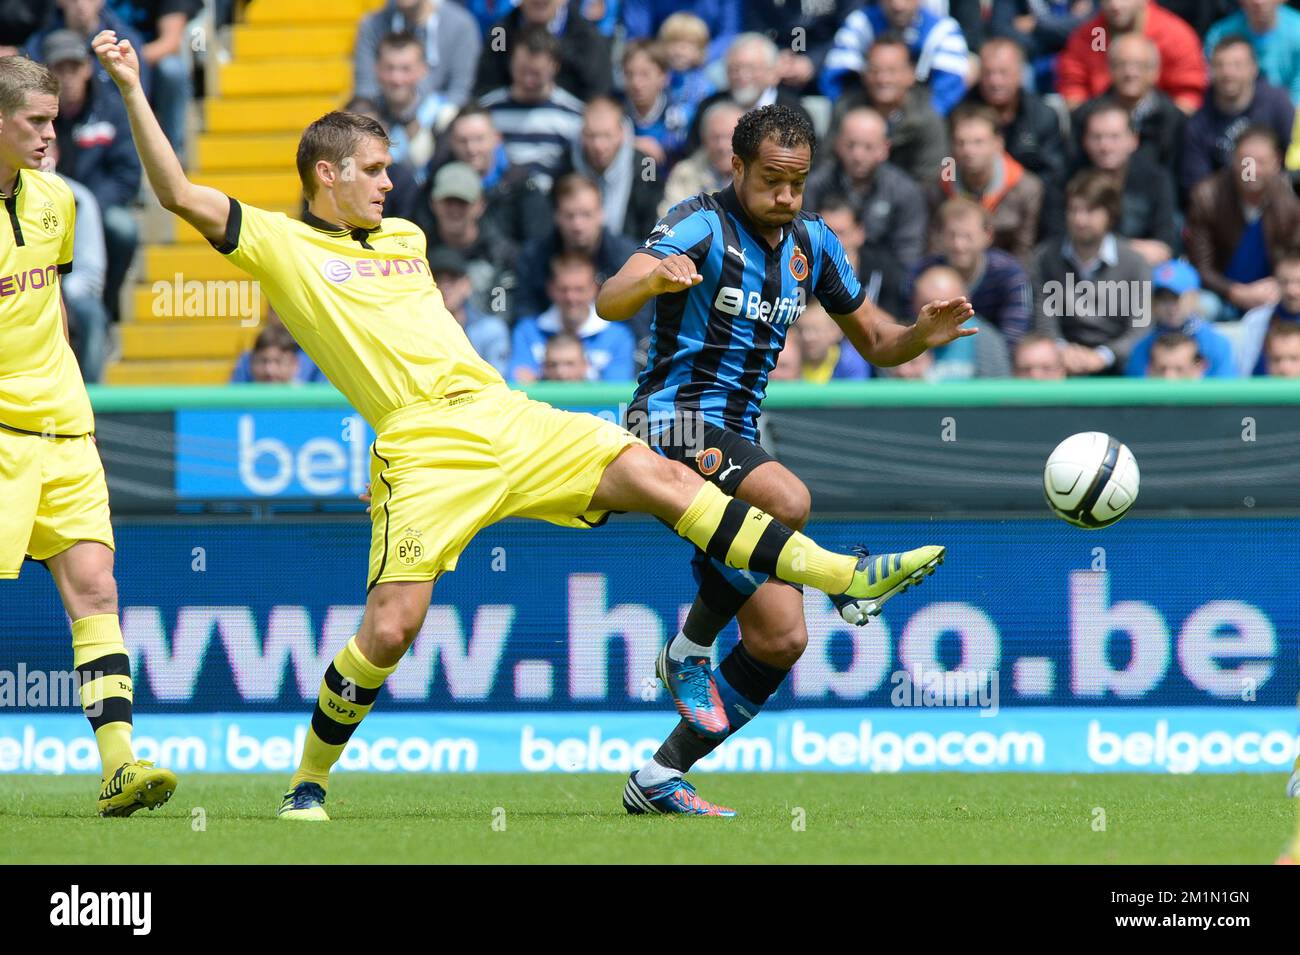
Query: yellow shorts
[52, 494]
[441, 471]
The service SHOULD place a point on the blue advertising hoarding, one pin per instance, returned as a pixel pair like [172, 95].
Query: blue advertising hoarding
[1190, 623]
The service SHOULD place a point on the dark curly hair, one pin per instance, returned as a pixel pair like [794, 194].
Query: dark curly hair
[788, 127]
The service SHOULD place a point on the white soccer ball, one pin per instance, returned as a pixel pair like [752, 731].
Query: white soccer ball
[1091, 480]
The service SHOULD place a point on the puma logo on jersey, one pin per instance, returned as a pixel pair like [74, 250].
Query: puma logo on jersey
[738, 253]
[730, 467]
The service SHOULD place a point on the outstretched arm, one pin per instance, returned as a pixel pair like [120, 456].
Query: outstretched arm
[202, 207]
[883, 342]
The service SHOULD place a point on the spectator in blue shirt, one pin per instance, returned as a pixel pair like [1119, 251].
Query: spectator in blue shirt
[572, 288]
[659, 125]
[642, 18]
[275, 358]
[564, 359]
[1176, 357]
[1273, 31]
[936, 43]
[684, 38]
[1175, 307]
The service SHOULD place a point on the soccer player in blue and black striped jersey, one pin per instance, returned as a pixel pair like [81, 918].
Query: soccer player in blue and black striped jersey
[731, 272]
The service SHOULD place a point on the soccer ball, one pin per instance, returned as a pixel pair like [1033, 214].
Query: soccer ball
[1091, 480]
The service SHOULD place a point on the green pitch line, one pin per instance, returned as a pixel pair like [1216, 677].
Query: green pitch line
[919, 818]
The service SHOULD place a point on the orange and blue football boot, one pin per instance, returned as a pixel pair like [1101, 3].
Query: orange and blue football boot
[695, 693]
[676, 797]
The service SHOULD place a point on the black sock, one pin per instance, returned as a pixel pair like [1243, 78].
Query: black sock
[684, 748]
[750, 677]
[715, 606]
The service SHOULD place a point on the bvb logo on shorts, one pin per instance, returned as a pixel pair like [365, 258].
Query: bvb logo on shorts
[409, 548]
[798, 264]
[708, 461]
[50, 221]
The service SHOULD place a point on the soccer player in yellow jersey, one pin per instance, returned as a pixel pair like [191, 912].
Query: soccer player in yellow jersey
[456, 450]
[55, 501]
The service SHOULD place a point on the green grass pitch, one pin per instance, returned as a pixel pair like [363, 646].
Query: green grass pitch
[916, 818]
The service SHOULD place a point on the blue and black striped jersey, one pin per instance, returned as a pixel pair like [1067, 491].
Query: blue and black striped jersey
[712, 346]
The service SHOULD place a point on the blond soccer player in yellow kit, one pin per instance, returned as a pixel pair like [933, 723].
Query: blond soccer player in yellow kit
[456, 450]
[53, 499]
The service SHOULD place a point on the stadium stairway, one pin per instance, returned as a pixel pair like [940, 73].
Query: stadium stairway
[190, 313]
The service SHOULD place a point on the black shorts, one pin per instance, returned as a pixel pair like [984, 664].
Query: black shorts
[719, 456]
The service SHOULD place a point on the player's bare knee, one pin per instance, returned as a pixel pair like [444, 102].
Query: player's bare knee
[792, 506]
[94, 593]
[671, 484]
[777, 646]
[391, 635]
[789, 644]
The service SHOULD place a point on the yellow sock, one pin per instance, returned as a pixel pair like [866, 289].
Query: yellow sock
[347, 693]
[745, 537]
[104, 672]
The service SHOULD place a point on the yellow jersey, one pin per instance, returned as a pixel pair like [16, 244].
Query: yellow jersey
[41, 389]
[362, 304]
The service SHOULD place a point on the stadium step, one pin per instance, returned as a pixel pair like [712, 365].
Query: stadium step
[215, 339]
[210, 371]
[218, 152]
[287, 77]
[311, 11]
[271, 188]
[160, 303]
[267, 114]
[200, 263]
[253, 42]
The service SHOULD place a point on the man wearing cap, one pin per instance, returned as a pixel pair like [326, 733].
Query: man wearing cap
[453, 218]
[489, 334]
[95, 149]
[1175, 305]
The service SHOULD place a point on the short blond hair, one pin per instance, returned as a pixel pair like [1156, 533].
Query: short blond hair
[686, 27]
[19, 78]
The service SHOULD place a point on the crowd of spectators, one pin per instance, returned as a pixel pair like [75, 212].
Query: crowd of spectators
[1113, 184]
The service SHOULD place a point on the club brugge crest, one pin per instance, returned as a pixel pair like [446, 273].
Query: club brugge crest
[798, 264]
[708, 461]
